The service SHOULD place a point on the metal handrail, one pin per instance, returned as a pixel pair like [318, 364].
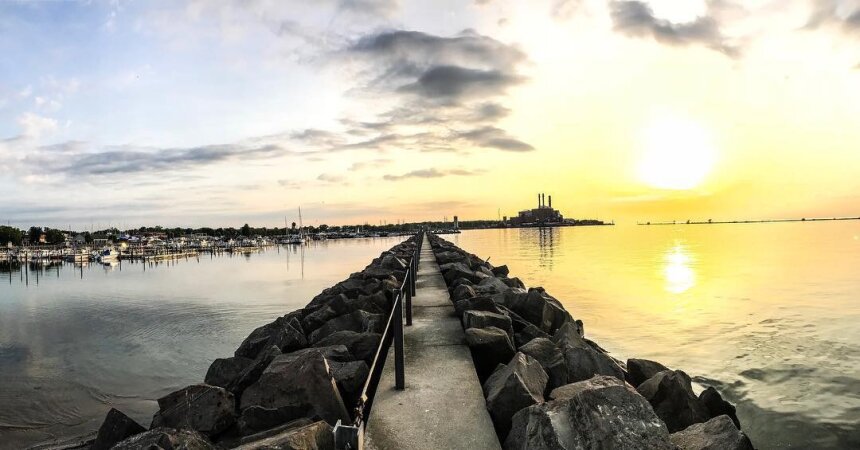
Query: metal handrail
[351, 437]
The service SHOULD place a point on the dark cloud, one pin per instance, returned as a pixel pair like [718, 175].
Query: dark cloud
[839, 13]
[454, 82]
[432, 173]
[492, 137]
[636, 18]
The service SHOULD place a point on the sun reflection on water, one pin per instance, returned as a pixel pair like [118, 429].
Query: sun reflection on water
[679, 273]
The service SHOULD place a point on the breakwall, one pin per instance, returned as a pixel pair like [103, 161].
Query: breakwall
[548, 386]
[288, 383]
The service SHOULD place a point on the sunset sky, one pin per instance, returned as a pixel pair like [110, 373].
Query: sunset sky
[197, 113]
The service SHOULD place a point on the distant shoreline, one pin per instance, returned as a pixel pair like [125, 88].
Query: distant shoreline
[715, 222]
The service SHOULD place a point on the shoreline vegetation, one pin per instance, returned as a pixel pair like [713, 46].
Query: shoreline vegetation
[740, 221]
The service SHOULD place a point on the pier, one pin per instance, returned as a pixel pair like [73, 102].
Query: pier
[441, 405]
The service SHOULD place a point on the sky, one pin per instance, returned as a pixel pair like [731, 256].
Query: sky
[199, 113]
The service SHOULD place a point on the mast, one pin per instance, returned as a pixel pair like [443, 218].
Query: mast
[301, 227]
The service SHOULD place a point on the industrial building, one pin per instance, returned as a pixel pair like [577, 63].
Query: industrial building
[543, 215]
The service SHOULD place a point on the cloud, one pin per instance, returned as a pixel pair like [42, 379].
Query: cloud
[844, 14]
[35, 126]
[374, 163]
[456, 82]
[492, 137]
[637, 19]
[432, 173]
[331, 179]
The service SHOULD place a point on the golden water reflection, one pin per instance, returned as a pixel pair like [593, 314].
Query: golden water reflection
[678, 270]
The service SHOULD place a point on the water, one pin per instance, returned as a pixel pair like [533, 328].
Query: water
[75, 341]
[767, 313]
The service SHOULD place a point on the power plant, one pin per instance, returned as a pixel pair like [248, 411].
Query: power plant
[543, 215]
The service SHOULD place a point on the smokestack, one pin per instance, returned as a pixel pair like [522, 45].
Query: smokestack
[543, 199]
[550, 201]
[538, 200]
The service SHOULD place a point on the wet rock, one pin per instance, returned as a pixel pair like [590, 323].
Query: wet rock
[551, 360]
[315, 436]
[718, 433]
[501, 271]
[362, 346]
[716, 406]
[115, 428]
[256, 419]
[223, 371]
[166, 439]
[490, 347]
[298, 379]
[452, 271]
[350, 378]
[484, 319]
[600, 413]
[462, 292]
[515, 386]
[200, 407]
[358, 321]
[671, 395]
[639, 370]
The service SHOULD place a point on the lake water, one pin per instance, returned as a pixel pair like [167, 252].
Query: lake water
[768, 313]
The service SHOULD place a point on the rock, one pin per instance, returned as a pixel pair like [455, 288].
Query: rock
[490, 347]
[446, 257]
[256, 419]
[252, 372]
[475, 304]
[528, 333]
[293, 380]
[484, 270]
[358, 321]
[600, 413]
[362, 346]
[452, 271]
[551, 360]
[350, 378]
[718, 433]
[517, 385]
[491, 285]
[282, 333]
[639, 370]
[222, 371]
[513, 283]
[165, 439]
[716, 406]
[569, 335]
[459, 282]
[671, 395]
[484, 319]
[392, 262]
[115, 428]
[501, 271]
[316, 436]
[537, 307]
[462, 292]
[235, 441]
[200, 407]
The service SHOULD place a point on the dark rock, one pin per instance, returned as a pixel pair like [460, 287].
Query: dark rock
[537, 307]
[600, 413]
[256, 419]
[235, 441]
[447, 257]
[293, 380]
[459, 282]
[252, 372]
[350, 378]
[223, 371]
[484, 319]
[200, 407]
[501, 271]
[392, 262]
[639, 370]
[568, 335]
[528, 333]
[316, 436]
[582, 360]
[484, 270]
[716, 406]
[165, 439]
[551, 360]
[718, 433]
[491, 285]
[358, 321]
[475, 304]
[116, 427]
[671, 395]
[513, 283]
[462, 292]
[362, 346]
[452, 271]
[517, 385]
[490, 347]
[282, 333]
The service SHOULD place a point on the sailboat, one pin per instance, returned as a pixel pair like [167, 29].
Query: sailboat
[296, 238]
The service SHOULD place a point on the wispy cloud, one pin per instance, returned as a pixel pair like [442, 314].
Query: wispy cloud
[432, 173]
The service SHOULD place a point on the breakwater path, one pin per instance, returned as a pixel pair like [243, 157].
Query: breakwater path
[442, 405]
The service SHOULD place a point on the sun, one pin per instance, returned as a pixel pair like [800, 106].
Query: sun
[678, 153]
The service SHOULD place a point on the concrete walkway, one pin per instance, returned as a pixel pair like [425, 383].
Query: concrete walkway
[442, 406]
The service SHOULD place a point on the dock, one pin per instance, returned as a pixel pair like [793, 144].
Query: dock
[442, 405]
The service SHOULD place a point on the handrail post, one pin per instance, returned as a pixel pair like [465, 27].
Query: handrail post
[399, 375]
[410, 275]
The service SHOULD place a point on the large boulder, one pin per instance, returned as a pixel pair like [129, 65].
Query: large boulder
[116, 427]
[462, 292]
[490, 347]
[223, 371]
[446, 257]
[285, 332]
[452, 271]
[639, 370]
[512, 387]
[358, 321]
[165, 439]
[529, 332]
[537, 307]
[362, 346]
[257, 419]
[476, 304]
[491, 285]
[716, 406]
[200, 407]
[551, 360]
[600, 413]
[718, 433]
[670, 393]
[252, 371]
[315, 436]
[484, 319]
[501, 271]
[294, 380]
[514, 283]
[582, 359]
[350, 378]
